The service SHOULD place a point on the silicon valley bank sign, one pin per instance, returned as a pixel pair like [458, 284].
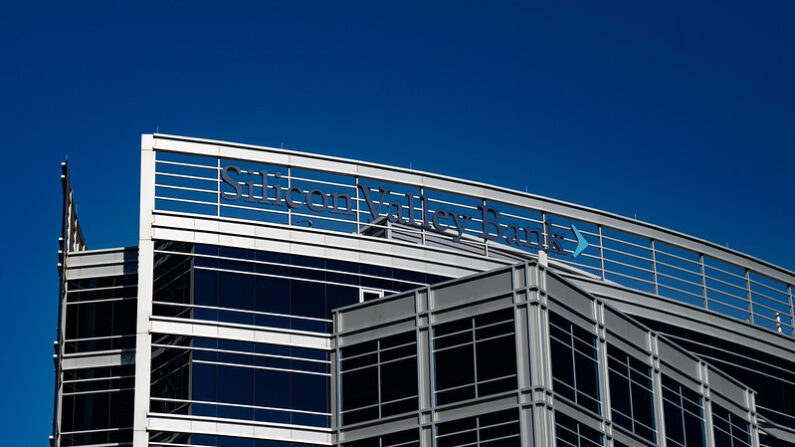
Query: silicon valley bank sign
[253, 187]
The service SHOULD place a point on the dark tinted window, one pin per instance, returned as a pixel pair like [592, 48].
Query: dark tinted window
[574, 363]
[474, 357]
[631, 393]
[379, 378]
[683, 412]
[570, 433]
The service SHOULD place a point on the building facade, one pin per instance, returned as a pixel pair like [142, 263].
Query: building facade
[282, 298]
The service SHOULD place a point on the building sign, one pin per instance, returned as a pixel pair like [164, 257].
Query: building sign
[380, 201]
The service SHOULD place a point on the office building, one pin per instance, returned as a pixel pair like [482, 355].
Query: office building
[280, 298]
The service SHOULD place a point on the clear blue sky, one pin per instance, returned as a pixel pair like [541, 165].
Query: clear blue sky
[679, 112]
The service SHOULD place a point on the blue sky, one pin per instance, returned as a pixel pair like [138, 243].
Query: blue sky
[678, 112]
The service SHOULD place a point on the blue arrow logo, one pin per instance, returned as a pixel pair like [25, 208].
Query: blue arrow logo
[582, 244]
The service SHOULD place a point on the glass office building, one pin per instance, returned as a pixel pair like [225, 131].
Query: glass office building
[279, 298]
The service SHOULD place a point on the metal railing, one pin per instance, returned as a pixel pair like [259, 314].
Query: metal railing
[625, 251]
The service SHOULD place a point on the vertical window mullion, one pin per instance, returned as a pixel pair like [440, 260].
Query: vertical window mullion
[378, 372]
[629, 391]
[474, 357]
[682, 412]
[477, 428]
[574, 364]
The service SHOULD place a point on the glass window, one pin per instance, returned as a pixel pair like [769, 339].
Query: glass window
[171, 439]
[730, 430]
[297, 293]
[499, 429]
[575, 373]
[631, 393]
[406, 438]
[684, 415]
[379, 378]
[474, 357]
[570, 433]
[95, 326]
[240, 380]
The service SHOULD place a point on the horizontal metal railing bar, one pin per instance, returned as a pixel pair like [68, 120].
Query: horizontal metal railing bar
[759, 295]
[743, 288]
[739, 309]
[579, 264]
[529, 219]
[775, 323]
[192, 165]
[196, 202]
[784, 317]
[675, 267]
[631, 244]
[186, 188]
[634, 278]
[781, 292]
[350, 221]
[732, 299]
[624, 264]
[586, 255]
[725, 272]
[694, 295]
[564, 227]
[192, 177]
[680, 280]
[445, 202]
[321, 182]
[631, 255]
[743, 298]
[665, 253]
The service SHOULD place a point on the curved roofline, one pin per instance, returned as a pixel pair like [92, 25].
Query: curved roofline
[629, 223]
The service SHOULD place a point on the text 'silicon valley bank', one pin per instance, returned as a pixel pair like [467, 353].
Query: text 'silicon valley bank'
[284, 299]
